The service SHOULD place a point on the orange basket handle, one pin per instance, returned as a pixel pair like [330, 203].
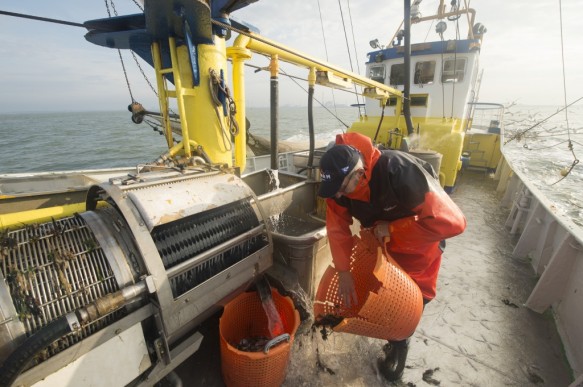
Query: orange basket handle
[275, 341]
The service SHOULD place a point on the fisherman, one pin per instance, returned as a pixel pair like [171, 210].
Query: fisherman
[400, 198]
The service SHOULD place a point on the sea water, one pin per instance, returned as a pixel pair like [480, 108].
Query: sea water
[39, 142]
[545, 152]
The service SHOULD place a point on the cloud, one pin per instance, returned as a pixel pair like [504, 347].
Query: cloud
[521, 53]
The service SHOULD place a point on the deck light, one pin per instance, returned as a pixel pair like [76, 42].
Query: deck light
[441, 27]
[375, 44]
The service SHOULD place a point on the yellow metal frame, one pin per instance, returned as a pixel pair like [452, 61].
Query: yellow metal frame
[202, 123]
[40, 215]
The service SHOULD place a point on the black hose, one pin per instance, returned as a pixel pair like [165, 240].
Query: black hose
[311, 126]
[23, 355]
[274, 105]
[407, 65]
[174, 379]
[374, 141]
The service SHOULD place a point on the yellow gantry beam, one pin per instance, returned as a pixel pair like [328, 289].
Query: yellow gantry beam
[265, 46]
[238, 57]
[202, 117]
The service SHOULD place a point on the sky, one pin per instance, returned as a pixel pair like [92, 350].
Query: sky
[51, 67]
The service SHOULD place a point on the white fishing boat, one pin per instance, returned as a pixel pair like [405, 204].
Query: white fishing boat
[118, 276]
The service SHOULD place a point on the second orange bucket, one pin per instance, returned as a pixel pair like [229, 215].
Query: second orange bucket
[244, 317]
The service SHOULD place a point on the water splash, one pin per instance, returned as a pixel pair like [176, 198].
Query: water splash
[273, 179]
[303, 302]
[293, 225]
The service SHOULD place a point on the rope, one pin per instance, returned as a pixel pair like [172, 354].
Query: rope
[520, 134]
[107, 4]
[575, 162]
[525, 146]
[138, 5]
[326, 50]
[457, 38]
[119, 52]
[355, 52]
[45, 19]
[293, 78]
[156, 127]
[442, 85]
[428, 31]
[374, 141]
[563, 65]
[348, 50]
[319, 103]
[570, 143]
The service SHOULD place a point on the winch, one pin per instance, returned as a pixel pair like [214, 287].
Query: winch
[154, 255]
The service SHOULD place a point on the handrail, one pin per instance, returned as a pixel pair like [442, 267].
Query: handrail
[442, 15]
[261, 45]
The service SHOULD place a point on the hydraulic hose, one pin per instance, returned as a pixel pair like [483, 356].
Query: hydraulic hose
[174, 379]
[311, 127]
[274, 109]
[407, 75]
[374, 141]
[23, 355]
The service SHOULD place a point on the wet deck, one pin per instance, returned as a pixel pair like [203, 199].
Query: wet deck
[475, 333]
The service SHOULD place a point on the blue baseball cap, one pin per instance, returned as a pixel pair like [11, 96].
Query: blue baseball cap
[335, 165]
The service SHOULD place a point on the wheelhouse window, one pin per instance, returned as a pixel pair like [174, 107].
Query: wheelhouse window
[424, 73]
[377, 73]
[453, 70]
[419, 100]
[397, 75]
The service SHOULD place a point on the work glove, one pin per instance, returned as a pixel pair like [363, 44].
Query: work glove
[346, 289]
[381, 232]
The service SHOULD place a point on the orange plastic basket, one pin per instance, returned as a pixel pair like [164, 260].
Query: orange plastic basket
[389, 301]
[244, 317]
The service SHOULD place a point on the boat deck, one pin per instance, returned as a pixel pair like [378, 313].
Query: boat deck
[475, 333]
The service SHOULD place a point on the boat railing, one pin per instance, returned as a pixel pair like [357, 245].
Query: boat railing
[485, 117]
[553, 243]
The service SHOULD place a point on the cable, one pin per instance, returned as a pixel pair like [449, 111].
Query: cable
[326, 50]
[119, 51]
[441, 76]
[570, 146]
[348, 50]
[520, 134]
[374, 141]
[293, 78]
[319, 103]
[355, 52]
[45, 19]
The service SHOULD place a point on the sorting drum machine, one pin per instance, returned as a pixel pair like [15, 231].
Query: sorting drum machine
[125, 284]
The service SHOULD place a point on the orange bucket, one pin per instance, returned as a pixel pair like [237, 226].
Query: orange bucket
[390, 303]
[244, 317]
